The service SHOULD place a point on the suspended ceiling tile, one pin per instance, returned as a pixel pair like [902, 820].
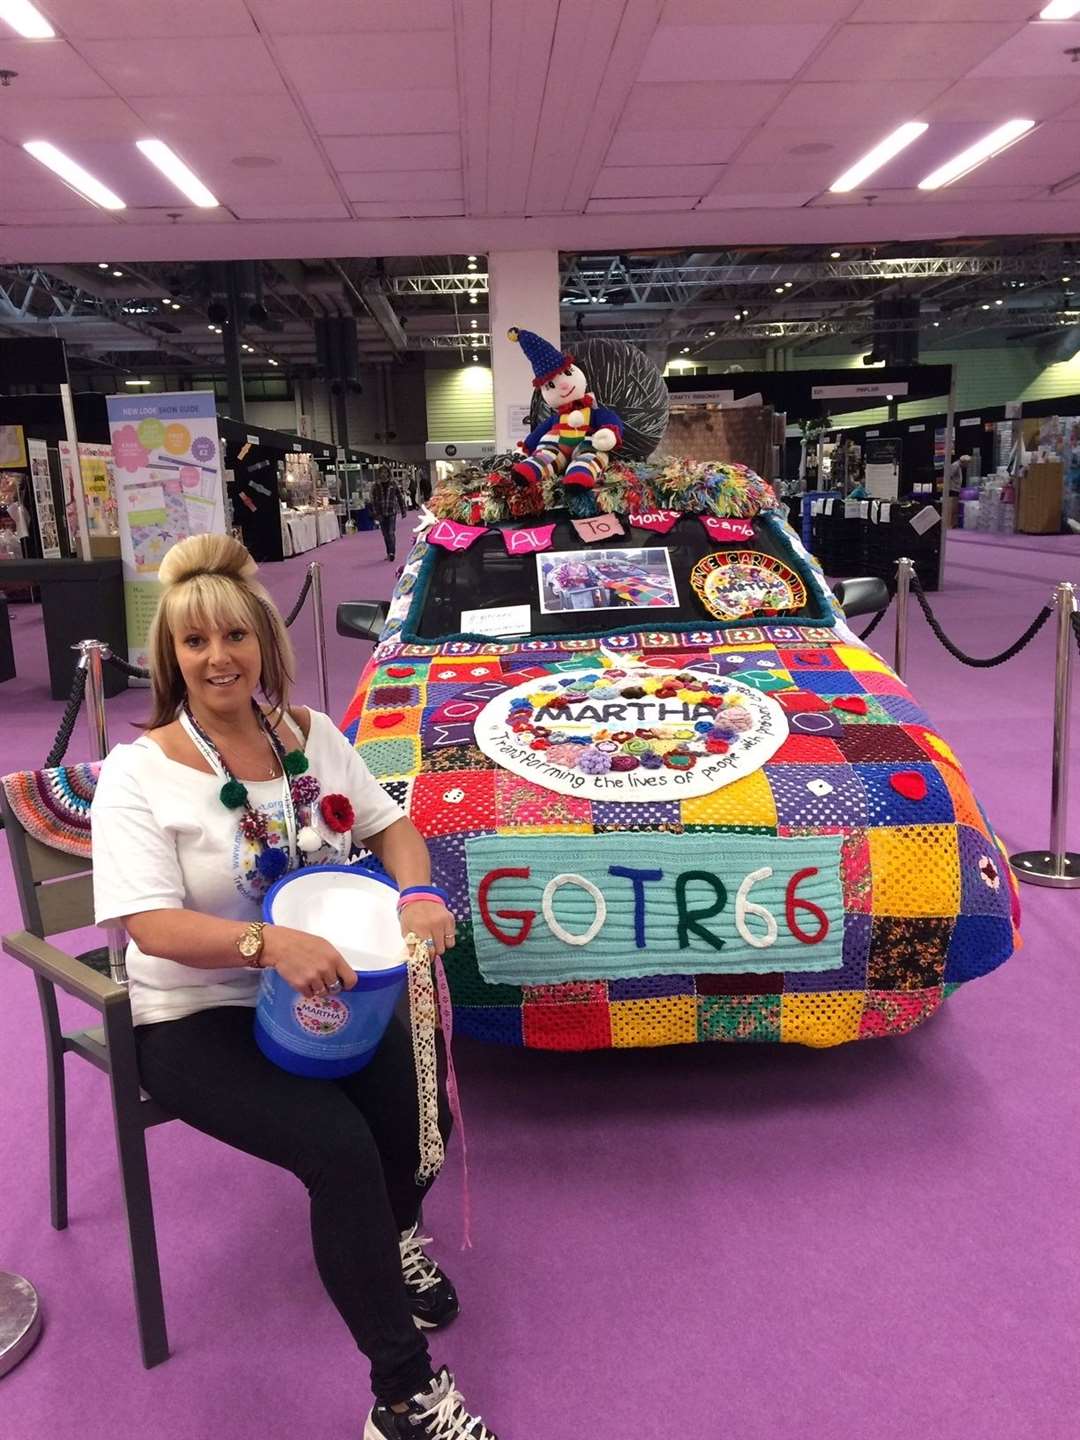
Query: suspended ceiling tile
[734, 12]
[58, 217]
[397, 209]
[63, 121]
[685, 53]
[1033, 97]
[148, 19]
[772, 144]
[659, 147]
[756, 200]
[404, 185]
[308, 187]
[394, 152]
[945, 11]
[777, 178]
[383, 112]
[698, 105]
[1034, 50]
[289, 210]
[333, 17]
[189, 67]
[408, 61]
[869, 105]
[252, 128]
[46, 68]
[627, 180]
[1020, 165]
[629, 205]
[906, 52]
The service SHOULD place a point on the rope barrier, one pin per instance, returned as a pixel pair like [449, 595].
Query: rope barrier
[874, 623]
[1075, 617]
[990, 660]
[295, 611]
[136, 672]
[71, 714]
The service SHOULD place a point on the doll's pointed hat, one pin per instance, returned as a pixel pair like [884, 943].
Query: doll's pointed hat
[544, 358]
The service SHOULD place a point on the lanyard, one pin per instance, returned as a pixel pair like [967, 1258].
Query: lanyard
[210, 753]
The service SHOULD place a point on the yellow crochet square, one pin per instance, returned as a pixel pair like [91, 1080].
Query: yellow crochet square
[821, 1018]
[666, 1020]
[392, 723]
[748, 801]
[916, 870]
[852, 658]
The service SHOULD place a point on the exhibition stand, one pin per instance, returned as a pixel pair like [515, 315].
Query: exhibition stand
[78, 598]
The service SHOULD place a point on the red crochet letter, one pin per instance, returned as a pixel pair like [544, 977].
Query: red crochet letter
[525, 916]
[791, 904]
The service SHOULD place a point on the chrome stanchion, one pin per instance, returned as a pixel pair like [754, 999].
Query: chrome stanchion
[20, 1319]
[904, 570]
[93, 652]
[1057, 867]
[315, 571]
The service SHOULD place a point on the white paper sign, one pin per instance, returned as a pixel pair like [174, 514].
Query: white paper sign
[839, 392]
[497, 620]
[595, 708]
[925, 520]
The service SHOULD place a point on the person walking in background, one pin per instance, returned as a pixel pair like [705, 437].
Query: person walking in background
[387, 503]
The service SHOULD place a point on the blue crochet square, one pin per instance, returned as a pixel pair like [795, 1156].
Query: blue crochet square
[984, 885]
[496, 1024]
[902, 710]
[887, 806]
[853, 974]
[824, 796]
[448, 867]
[650, 987]
[979, 944]
[830, 682]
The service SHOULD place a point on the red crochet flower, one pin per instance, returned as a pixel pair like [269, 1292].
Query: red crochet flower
[337, 812]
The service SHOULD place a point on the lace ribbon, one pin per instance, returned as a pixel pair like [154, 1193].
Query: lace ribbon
[424, 1012]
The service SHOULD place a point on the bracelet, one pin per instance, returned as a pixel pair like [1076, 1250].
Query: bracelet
[425, 890]
[416, 895]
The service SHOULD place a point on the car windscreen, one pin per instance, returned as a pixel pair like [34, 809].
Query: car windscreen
[623, 583]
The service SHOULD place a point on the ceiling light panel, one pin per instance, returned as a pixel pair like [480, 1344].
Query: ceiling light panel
[26, 20]
[982, 150]
[73, 174]
[1060, 10]
[174, 169]
[903, 136]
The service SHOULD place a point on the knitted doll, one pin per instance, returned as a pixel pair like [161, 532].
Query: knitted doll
[576, 441]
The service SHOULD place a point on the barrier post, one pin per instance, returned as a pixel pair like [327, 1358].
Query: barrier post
[315, 571]
[93, 652]
[904, 568]
[1056, 867]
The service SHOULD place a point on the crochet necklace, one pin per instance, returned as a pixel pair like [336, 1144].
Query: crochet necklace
[272, 860]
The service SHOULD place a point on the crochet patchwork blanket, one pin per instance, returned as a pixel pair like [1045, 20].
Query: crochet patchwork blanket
[742, 832]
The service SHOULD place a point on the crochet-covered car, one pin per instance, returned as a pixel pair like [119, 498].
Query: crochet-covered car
[684, 803]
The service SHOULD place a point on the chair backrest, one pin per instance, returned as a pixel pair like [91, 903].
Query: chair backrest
[47, 824]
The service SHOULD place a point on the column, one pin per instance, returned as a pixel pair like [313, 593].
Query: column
[523, 291]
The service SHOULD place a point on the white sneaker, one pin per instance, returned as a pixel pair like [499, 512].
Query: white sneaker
[437, 1413]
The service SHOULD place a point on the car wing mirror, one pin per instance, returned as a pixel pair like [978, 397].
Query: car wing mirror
[864, 595]
[362, 619]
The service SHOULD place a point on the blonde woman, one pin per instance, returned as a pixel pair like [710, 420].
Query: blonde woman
[229, 787]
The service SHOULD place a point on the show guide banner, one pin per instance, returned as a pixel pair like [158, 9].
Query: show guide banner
[167, 462]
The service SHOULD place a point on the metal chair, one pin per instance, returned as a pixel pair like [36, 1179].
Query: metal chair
[55, 895]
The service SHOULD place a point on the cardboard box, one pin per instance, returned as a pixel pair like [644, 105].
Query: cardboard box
[1042, 494]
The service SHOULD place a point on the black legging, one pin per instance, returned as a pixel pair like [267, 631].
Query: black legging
[388, 526]
[353, 1142]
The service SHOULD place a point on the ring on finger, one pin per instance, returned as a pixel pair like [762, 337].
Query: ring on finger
[334, 987]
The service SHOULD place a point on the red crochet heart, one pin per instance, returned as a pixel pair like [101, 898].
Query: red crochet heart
[854, 703]
[399, 672]
[909, 783]
[388, 721]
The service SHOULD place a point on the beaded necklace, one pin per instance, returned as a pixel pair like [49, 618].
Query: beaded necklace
[271, 861]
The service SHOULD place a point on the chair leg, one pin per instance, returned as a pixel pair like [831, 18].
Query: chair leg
[135, 1179]
[54, 1054]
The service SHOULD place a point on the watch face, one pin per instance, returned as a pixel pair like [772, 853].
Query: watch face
[249, 945]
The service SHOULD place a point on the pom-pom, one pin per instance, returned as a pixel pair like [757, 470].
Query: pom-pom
[253, 825]
[337, 812]
[271, 864]
[309, 840]
[296, 762]
[233, 794]
[305, 790]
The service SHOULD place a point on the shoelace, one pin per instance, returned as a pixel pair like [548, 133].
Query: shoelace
[419, 1270]
[453, 1422]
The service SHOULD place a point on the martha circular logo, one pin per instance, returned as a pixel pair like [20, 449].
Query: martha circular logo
[634, 733]
[321, 1015]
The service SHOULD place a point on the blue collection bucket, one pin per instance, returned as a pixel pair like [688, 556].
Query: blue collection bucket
[334, 1035]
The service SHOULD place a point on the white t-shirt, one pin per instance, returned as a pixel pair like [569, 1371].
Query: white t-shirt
[162, 840]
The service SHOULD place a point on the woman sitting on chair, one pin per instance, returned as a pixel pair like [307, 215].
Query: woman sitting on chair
[182, 861]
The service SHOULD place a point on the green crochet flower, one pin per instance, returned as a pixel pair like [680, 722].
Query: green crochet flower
[233, 794]
[296, 762]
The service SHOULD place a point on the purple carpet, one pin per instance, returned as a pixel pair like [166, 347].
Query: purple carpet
[875, 1241]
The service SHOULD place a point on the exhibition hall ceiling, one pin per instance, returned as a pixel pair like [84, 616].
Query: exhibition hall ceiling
[375, 128]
